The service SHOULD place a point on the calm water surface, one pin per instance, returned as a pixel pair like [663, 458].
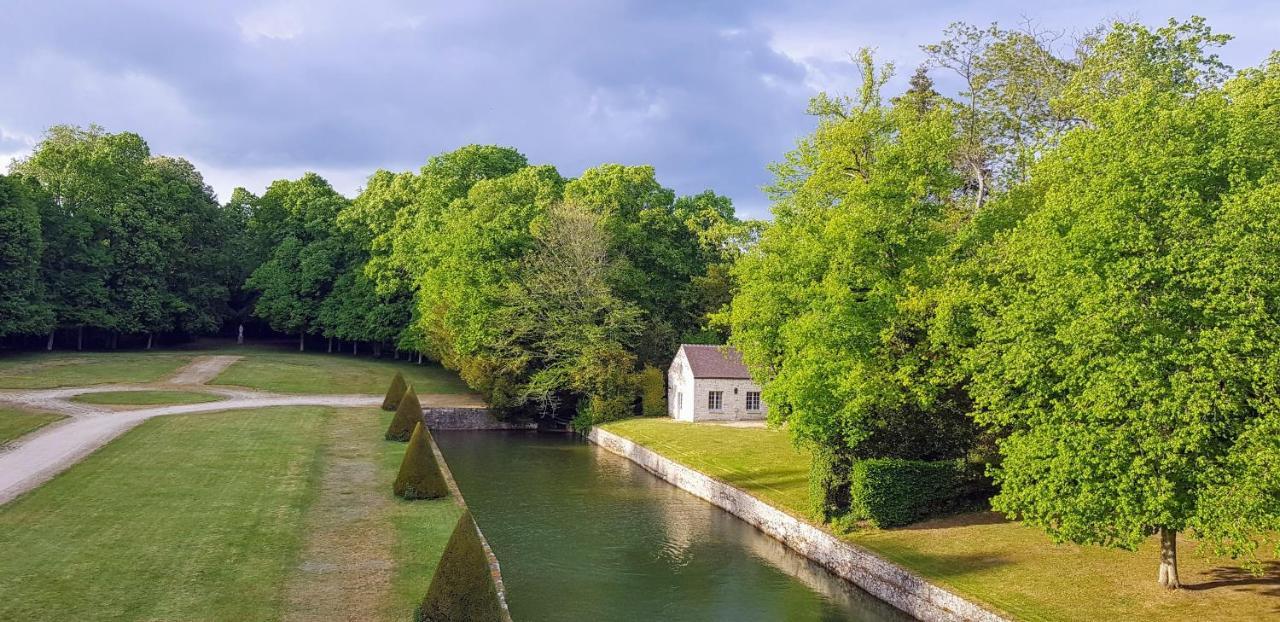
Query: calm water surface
[583, 534]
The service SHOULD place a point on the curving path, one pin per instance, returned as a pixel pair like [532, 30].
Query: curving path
[34, 459]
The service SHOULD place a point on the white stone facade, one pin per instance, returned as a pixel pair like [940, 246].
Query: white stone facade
[689, 398]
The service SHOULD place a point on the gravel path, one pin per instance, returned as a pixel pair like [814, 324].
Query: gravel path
[203, 369]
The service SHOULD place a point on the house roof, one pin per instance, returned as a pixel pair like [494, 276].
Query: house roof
[715, 361]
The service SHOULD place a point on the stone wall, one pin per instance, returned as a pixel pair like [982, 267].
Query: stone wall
[883, 579]
[494, 569]
[449, 418]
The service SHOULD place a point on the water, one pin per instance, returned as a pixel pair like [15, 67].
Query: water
[583, 534]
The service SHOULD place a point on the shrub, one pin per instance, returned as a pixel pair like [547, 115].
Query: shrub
[829, 483]
[420, 476]
[395, 393]
[653, 392]
[462, 588]
[408, 414]
[891, 491]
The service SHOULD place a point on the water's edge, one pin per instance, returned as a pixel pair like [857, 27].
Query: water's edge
[883, 579]
[494, 569]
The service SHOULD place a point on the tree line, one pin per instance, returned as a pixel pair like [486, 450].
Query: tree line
[548, 294]
[1068, 272]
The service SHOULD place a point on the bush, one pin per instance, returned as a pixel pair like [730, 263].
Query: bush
[890, 492]
[829, 483]
[653, 392]
[408, 414]
[395, 393]
[420, 476]
[462, 588]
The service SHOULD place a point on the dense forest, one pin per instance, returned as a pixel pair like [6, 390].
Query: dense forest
[1065, 276]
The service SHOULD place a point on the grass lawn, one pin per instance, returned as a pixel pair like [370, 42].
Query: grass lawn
[217, 530]
[15, 423]
[1007, 566]
[146, 398]
[305, 372]
[46, 370]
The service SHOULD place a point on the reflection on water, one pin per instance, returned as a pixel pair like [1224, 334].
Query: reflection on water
[583, 534]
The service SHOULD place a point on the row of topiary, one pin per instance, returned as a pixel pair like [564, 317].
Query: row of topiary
[462, 588]
[890, 492]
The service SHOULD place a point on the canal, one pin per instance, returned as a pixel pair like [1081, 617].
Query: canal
[583, 534]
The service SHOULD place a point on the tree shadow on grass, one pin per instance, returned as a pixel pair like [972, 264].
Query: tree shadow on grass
[944, 566]
[967, 519]
[1231, 577]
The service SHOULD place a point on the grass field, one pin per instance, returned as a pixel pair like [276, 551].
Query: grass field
[145, 398]
[1008, 566]
[304, 372]
[216, 534]
[15, 423]
[45, 370]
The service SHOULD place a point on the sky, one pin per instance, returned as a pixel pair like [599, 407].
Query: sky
[709, 93]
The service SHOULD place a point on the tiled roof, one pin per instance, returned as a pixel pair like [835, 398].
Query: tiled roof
[715, 361]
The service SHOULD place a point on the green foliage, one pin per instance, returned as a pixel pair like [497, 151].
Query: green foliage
[408, 415]
[395, 393]
[891, 492]
[23, 309]
[653, 392]
[829, 482]
[462, 587]
[420, 476]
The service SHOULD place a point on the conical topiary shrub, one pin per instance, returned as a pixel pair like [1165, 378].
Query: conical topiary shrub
[395, 393]
[462, 588]
[420, 476]
[408, 413]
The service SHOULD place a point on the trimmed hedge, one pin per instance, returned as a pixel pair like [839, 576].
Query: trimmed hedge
[653, 392]
[395, 393]
[891, 492]
[462, 587]
[420, 476]
[408, 414]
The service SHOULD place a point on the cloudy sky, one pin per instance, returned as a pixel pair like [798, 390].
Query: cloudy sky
[708, 92]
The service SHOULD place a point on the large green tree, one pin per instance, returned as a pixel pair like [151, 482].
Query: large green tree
[1128, 351]
[23, 309]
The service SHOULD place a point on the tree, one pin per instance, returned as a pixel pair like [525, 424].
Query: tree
[830, 313]
[23, 309]
[1128, 346]
[408, 414]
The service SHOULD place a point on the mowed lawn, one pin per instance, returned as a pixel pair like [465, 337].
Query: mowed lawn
[199, 517]
[46, 370]
[1007, 566]
[15, 423]
[305, 372]
[145, 398]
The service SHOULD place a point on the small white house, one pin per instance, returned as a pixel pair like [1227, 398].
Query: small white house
[711, 383]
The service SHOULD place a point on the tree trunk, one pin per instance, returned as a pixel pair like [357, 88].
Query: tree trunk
[302, 342]
[79, 338]
[1169, 558]
[355, 348]
[149, 335]
[240, 334]
[396, 356]
[49, 344]
[377, 350]
[331, 345]
[115, 340]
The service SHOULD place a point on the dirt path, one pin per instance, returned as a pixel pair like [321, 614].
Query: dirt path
[346, 567]
[203, 369]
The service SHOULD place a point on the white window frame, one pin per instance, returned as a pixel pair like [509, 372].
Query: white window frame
[756, 395]
[715, 401]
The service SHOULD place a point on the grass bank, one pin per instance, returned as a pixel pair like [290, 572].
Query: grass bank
[1007, 566]
[230, 504]
[47, 370]
[304, 372]
[145, 398]
[15, 423]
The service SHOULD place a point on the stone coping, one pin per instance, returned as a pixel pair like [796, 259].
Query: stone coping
[494, 569]
[881, 578]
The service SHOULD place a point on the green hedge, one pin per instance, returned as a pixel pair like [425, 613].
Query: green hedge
[395, 393]
[890, 492]
[462, 588]
[408, 415]
[653, 392]
[420, 476]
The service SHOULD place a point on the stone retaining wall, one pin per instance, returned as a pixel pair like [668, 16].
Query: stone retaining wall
[494, 569]
[883, 579]
[452, 418]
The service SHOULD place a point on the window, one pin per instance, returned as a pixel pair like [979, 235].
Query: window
[715, 400]
[753, 400]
